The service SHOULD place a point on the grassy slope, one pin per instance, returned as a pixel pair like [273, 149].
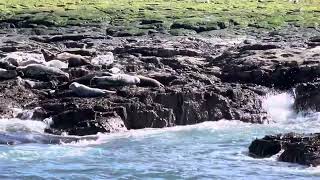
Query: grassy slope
[189, 13]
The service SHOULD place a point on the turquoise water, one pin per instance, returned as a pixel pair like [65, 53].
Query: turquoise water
[211, 150]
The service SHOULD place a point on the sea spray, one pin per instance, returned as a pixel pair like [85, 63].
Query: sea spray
[279, 106]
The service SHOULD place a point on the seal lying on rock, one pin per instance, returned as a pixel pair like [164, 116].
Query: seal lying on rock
[6, 65]
[72, 59]
[115, 80]
[8, 74]
[87, 78]
[85, 91]
[25, 137]
[40, 85]
[146, 81]
[38, 71]
[57, 64]
[23, 59]
[48, 56]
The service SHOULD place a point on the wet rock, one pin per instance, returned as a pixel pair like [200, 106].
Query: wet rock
[86, 121]
[265, 147]
[193, 79]
[307, 97]
[295, 148]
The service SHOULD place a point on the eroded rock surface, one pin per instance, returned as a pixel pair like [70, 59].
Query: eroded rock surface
[196, 79]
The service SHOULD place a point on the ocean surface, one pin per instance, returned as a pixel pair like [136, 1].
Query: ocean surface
[211, 150]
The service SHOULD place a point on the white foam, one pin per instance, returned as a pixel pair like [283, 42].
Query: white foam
[279, 106]
[14, 125]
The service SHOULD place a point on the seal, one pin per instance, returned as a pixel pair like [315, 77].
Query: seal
[48, 56]
[8, 74]
[87, 78]
[146, 81]
[73, 60]
[42, 72]
[57, 64]
[40, 85]
[6, 65]
[85, 91]
[115, 80]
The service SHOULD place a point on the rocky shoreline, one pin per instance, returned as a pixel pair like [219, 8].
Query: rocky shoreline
[179, 80]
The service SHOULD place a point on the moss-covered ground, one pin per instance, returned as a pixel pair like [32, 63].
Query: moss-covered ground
[168, 14]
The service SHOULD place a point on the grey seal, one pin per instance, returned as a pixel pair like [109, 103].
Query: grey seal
[85, 91]
[8, 74]
[87, 78]
[115, 80]
[38, 71]
[146, 81]
[73, 60]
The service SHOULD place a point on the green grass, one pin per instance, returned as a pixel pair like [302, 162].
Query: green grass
[182, 13]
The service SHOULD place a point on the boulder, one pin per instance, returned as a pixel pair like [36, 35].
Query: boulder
[295, 148]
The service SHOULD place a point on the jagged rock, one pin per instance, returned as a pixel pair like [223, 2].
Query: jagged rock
[265, 147]
[307, 97]
[195, 79]
[86, 122]
[295, 148]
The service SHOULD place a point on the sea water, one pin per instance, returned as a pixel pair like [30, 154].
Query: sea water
[211, 150]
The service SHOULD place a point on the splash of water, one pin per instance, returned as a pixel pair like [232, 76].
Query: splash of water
[279, 106]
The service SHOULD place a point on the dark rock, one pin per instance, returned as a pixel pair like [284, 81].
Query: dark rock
[66, 37]
[150, 21]
[259, 47]
[264, 147]
[297, 148]
[158, 51]
[86, 122]
[315, 39]
[204, 79]
[307, 97]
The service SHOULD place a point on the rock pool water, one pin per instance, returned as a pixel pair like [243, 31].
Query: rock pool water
[211, 150]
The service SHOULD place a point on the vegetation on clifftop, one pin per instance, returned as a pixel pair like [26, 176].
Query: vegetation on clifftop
[162, 14]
